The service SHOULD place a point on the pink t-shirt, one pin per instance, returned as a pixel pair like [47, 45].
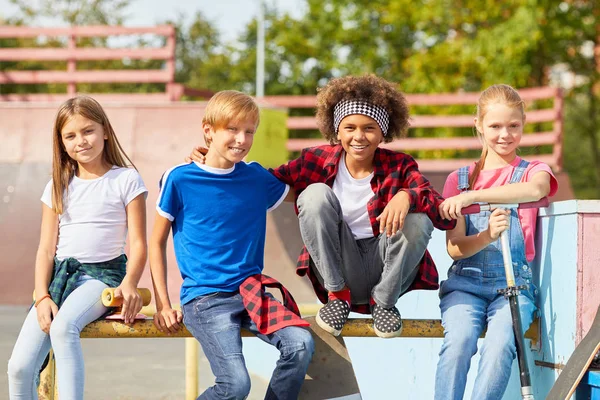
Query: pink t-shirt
[501, 176]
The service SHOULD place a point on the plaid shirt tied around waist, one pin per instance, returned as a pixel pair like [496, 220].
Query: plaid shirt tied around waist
[68, 271]
[268, 314]
[393, 172]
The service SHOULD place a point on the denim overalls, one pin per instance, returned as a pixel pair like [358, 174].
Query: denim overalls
[470, 301]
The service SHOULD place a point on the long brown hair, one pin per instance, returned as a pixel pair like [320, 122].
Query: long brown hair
[63, 166]
[502, 94]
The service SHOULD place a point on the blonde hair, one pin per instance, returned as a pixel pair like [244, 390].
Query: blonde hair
[495, 94]
[63, 166]
[229, 105]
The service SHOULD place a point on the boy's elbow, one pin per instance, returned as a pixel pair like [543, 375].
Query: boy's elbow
[156, 245]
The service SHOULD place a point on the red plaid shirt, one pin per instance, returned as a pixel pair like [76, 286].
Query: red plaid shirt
[268, 314]
[393, 172]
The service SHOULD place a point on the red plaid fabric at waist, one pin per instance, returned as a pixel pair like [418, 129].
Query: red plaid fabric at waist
[268, 314]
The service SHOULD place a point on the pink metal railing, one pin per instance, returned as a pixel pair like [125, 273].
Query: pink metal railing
[72, 54]
[553, 114]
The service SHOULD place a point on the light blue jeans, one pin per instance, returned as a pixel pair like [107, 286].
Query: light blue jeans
[79, 309]
[465, 315]
[469, 302]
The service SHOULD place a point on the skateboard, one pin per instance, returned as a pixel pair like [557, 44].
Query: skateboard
[578, 363]
[109, 300]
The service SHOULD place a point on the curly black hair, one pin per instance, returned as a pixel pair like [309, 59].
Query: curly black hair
[369, 88]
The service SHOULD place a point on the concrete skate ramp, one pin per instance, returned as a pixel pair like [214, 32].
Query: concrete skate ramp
[156, 137]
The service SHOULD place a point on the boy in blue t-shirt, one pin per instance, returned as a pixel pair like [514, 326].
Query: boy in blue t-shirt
[217, 212]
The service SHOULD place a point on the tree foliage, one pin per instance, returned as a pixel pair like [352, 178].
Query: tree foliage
[431, 46]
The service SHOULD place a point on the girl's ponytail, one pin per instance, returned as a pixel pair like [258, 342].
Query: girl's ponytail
[478, 167]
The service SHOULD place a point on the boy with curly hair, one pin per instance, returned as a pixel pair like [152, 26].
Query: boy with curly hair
[366, 213]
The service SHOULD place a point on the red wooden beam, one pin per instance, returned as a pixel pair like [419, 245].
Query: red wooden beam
[105, 76]
[438, 143]
[305, 101]
[83, 31]
[436, 99]
[432, 121]
[102, 97]
[81, 54]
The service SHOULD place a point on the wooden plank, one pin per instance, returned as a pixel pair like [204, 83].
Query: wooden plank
[436, 99]
[135, 98]
[105, 76]
[432, 121]
[83, 31]
[305, 101]
[435, 143]
[81, 54]
[355, 327]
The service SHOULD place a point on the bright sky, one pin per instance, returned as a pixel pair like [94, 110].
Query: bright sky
[229, 16]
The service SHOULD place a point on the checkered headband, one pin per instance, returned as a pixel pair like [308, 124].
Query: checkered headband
[351, 107]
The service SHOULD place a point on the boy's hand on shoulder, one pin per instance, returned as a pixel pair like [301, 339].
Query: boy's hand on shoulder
[198, 154]
[132, 301]
[168, 320]
[452, 206]
[391, 220]
[498, 223]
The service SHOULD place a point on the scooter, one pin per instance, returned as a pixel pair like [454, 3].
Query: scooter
[511, 292]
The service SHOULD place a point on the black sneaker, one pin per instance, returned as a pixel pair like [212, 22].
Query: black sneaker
[333, 315]
[386, 321]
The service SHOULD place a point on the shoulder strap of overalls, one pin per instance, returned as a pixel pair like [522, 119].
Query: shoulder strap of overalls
[519, 172]
[463, 179]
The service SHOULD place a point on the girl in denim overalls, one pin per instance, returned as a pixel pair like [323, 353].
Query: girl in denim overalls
[469, 297]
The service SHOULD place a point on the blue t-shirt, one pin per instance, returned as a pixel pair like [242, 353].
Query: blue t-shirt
[219, 223]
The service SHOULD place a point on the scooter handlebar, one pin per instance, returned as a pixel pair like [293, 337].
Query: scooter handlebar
[477, 208]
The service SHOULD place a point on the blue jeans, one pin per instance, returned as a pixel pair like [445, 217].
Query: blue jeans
[216, 319]
[464, 316]
[79, 309]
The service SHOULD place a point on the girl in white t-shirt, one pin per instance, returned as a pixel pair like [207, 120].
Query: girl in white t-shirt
[88, 207]
[469, 297]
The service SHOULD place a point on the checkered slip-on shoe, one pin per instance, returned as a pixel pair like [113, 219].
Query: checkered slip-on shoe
[333, 315]
[386, 321]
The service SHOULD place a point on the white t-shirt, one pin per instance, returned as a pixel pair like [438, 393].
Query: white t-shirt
[354, 194]
[93, 225]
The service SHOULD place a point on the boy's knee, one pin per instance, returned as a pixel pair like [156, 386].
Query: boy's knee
[314, 197]
[237, 389]
[301, 345]
[417, 225]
